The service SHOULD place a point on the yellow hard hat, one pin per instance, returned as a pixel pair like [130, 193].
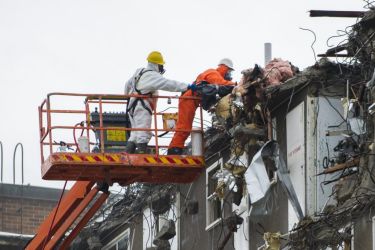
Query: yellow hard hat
[155, 57]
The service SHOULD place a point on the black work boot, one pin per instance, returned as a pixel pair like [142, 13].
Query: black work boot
[141, 148]
[175, 151]
[130, 147]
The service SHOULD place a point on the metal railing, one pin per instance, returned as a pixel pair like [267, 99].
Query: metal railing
[99, 102]
[14, 162]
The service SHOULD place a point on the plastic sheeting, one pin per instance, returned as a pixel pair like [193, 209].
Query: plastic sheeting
[257, 180]
[256, 177]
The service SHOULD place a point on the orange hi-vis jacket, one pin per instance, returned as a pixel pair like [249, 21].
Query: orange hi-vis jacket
[187, 108]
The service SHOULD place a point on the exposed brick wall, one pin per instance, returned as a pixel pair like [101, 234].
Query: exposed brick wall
[31, 211]
[23, 207]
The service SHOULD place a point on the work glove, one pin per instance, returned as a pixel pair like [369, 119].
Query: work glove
[225, 90]
[192, 86]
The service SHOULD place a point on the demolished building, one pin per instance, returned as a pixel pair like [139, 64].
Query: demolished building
[288, 166]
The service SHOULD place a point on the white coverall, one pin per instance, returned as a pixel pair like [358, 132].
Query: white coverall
[149, 83]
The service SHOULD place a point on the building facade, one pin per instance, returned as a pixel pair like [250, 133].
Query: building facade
[23, 209]
[315, 190]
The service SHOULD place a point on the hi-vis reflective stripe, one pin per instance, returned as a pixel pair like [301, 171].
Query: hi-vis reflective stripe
[119, 158]
[86, 158]
[173, 160]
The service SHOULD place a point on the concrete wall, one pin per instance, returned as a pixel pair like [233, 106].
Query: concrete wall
[138, 234]
[363, 232]
[135, 237]
[193, 227]
[275, 222]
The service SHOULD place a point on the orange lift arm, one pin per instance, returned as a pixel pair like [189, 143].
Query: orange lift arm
[72, 206]
[88, 166]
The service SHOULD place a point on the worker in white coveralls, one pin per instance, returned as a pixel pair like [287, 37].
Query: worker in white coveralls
[147, 81]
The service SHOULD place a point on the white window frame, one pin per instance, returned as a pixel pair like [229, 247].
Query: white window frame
[212, 224]
[117, 239]
[373, 233]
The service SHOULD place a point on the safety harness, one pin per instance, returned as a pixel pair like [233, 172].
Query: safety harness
[138, 99]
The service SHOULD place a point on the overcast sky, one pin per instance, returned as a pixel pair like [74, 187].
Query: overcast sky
[94, 46]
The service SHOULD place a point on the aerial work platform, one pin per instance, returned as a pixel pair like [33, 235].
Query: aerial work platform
[93, 151]
[93, 148]
[122, 168]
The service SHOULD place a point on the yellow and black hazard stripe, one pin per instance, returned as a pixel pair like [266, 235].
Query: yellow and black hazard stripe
[87, 158]
[119, 158]
[174, 160]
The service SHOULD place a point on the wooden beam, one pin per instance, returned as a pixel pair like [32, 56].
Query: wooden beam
[336, 13]
[341, 166]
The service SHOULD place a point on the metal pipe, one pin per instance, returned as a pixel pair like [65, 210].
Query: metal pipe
[14, 162]
[107, 102]
[128, 129]
[88, 120]
[336, 13]
[267, 53]
[56, 111]
[41, 134]
[121, 97]
[49, 131]
[202, 133]
[156, 129]
[101, 125]
[196, 143]
[2, 160]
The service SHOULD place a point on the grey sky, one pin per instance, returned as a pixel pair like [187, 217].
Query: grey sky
[93, 46]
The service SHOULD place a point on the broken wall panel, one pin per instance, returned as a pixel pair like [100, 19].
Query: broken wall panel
[241, 237]
[364, 236]
[322, 116]
[328, 119]
[295, 138]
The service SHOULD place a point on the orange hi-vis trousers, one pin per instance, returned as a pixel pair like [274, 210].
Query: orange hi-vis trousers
[187, 108]
[186, 113]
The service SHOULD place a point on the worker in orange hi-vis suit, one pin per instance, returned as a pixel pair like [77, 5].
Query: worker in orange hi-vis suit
[187, 108]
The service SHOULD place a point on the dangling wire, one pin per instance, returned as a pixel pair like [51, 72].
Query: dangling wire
[312, 45]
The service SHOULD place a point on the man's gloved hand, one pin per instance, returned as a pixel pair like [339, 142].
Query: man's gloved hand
[225, 90]
[192, 86]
